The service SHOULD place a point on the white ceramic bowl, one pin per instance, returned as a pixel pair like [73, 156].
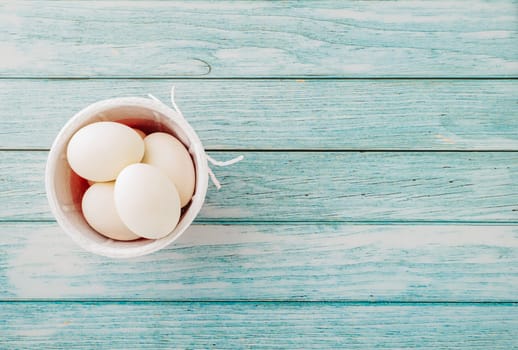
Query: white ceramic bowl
[64, 188]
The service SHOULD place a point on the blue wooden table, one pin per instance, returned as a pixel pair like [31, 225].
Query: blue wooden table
[377, 205]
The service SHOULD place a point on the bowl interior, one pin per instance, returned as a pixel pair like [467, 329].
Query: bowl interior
[66, 188]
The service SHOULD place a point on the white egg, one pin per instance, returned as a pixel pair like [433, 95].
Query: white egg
[99, 211]
[167, 153]
[99, 151]
[147, 201]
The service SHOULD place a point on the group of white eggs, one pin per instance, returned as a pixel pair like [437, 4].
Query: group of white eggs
[139, 183]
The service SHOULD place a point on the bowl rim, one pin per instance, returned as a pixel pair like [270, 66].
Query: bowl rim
[110, 248]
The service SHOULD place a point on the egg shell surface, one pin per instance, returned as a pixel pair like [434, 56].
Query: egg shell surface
[99, 211]
[147, 201]
[99, 151]
[170, 155]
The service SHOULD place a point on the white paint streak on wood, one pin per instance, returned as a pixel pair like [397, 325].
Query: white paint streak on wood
[489, 35]
[29, 267]
[265, 262]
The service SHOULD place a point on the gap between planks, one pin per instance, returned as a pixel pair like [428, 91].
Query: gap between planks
[315, 150]
[289, 77]
[290, 301]
[237, 222]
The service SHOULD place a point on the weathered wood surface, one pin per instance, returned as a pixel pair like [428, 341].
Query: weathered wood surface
[259, 38]
[310, 237]
[271, 262]
[158, 325]
[327, 114]
[321, 186]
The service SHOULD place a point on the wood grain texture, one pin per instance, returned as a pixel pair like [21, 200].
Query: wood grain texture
[271, 262]
[316, 186]
[260, 38]
[327, 114]
[311, 243]
[257, 325]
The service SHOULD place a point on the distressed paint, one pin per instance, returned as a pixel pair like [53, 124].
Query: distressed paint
[260, 38]
[316, 186]
[457, 263]
[305, 226]
[159, 325]
[329, 114]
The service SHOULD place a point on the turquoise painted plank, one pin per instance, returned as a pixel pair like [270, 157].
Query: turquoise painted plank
[125, 325]
[328, 114]
[260, 38]
[342, 262]
[315, 186]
